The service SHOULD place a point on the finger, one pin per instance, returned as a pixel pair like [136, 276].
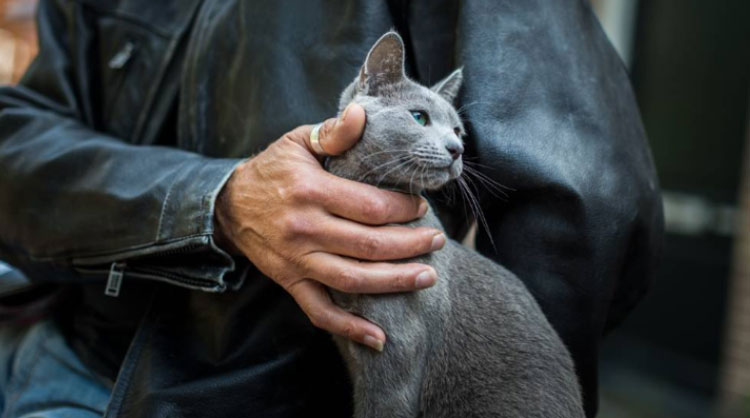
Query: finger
[345, 131]
[323, 313]
[352, 276]
[367, 204]
[339, 236]
[337, 135]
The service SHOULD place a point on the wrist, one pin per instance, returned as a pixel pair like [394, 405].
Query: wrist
[222, 230]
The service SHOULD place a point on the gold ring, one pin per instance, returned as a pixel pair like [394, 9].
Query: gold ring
[315, 141]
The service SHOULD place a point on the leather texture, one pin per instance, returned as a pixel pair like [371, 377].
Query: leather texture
[119, 137]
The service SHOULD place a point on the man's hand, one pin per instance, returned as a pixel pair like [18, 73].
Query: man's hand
[305, 228]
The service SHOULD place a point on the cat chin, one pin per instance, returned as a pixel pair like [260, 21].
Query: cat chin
[441, 178]
[456, 169]
[437, 183]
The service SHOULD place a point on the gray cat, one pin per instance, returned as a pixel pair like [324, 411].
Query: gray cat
[476, 344]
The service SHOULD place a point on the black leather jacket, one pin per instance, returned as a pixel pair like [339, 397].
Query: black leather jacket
[116, 142]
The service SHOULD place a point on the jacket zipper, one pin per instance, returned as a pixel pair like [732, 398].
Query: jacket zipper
[115, 270]
[145, 273]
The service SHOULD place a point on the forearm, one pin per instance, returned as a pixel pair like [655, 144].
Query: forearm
[81, 200]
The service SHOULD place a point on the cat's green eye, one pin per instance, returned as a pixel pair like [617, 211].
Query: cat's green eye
[420, 117]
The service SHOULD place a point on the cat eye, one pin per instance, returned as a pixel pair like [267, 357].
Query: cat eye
[420, 116]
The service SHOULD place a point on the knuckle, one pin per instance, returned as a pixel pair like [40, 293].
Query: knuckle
[375, 210]
[327, 129]
[369, 246]
[288, 278]
[302, 190]
[348, 280]
[300, 264]
[316, 318]
[294, 227]
[286, 225]
[349, 330]
[403, 281]
[286, 191]
[319, 318]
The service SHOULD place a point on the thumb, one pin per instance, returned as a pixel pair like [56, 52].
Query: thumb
[337, 135]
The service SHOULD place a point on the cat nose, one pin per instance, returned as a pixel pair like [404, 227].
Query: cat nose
[455, 149]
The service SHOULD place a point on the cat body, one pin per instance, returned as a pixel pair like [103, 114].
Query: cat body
[476, 344]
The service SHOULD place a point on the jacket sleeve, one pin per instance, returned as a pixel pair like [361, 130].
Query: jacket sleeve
[552, 116]
[76, 204]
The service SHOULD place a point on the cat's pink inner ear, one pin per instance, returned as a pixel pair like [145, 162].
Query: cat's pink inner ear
[385, 61]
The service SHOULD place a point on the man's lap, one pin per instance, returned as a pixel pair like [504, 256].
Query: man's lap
[40, 376]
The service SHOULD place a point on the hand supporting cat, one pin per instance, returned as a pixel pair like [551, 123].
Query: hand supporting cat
[302, 227]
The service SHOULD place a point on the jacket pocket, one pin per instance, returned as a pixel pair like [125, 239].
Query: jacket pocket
[134, 43]
[131, 60]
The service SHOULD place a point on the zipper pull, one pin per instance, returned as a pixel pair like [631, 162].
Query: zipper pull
[122, 57]
[114, 281]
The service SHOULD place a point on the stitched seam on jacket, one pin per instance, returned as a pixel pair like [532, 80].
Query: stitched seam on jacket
[115, 252]
[126, 17]
[164, 206]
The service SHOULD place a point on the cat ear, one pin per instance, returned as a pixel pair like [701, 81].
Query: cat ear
[384, 64]
[449, 86]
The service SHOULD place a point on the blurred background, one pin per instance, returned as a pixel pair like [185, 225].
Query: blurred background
[17, 38]
[685, 351]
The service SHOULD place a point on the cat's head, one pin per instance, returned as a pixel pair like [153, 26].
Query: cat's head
[412, 140]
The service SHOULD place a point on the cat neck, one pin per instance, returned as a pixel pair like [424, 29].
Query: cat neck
[429, 220]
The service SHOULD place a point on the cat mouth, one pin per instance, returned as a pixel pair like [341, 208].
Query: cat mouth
[428, 175]
[435, 173]
[436, 165]
[453, 165]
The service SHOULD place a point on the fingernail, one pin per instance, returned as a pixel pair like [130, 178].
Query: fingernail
[422, 208]
[374, 343]
[426, 278]
[437, 242]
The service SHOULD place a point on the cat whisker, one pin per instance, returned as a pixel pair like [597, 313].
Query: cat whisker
[476, 209]
[387, 151]
[470, 165]
[476, 190]
[460, 188]
[409, 160]
[463, 107]
[384, 165]
[493, 187]
[469, 161]
[411, 179]
[449, 193]
[378, 167]
[421, 175]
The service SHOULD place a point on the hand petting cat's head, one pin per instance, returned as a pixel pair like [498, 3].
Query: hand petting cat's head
[412, 140]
